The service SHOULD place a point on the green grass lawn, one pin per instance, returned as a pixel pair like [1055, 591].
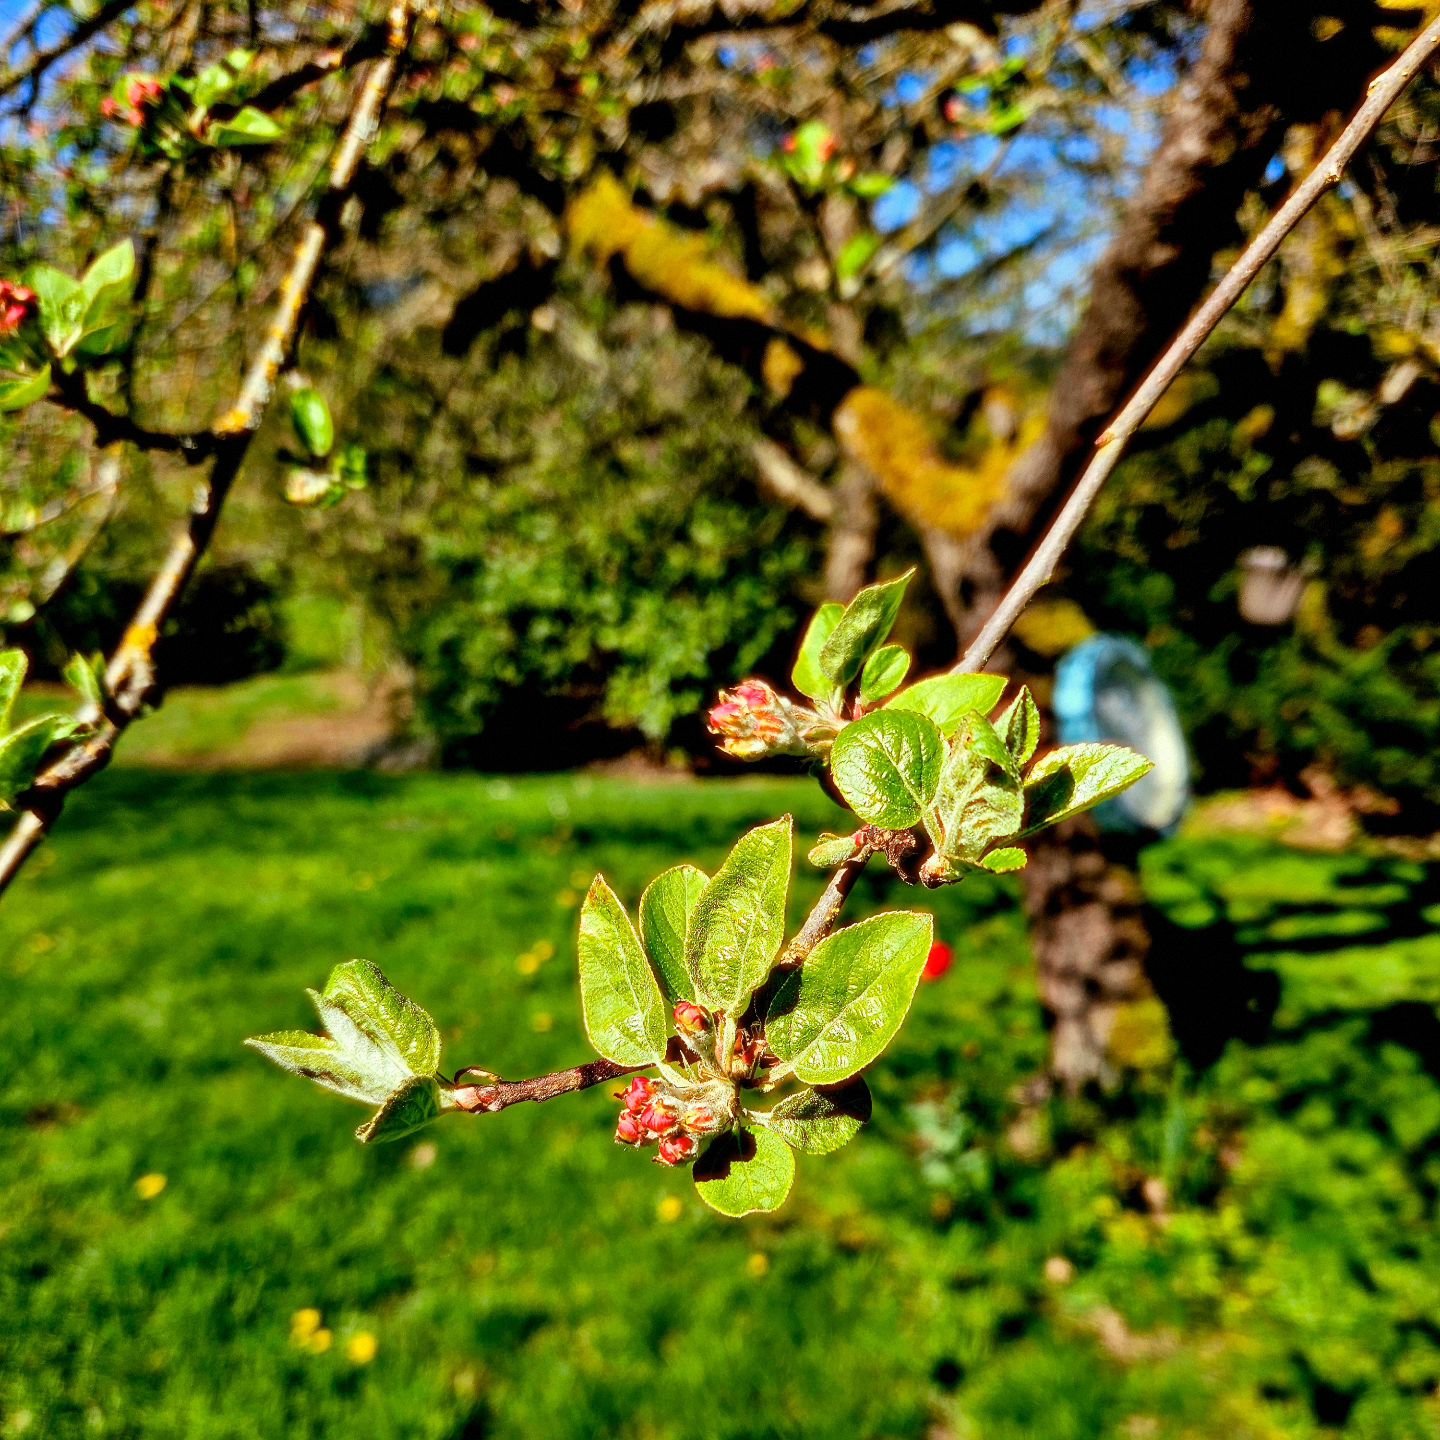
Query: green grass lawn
[967, 1268]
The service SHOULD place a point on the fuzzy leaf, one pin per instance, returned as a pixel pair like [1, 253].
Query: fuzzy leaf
[947, 699]
[624, 1010]
[887, 766]
[23, 390]
[807, 676]
[667, 912]
[1019, 727]
[867, 620]
[884, 672]
[838, 1011]
[1077, 777]
[391, 1020]
[320, 1058]
[819, 1121]
[62, 305]
[746, 1172]
[979, 800]
[410, 1108]
[831, 850]
[739, 923]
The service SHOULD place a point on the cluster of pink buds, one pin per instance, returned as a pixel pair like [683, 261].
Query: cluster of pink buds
[649, 1115]
[17, 305]
[141, 93]
[828, 148]
[756, 722]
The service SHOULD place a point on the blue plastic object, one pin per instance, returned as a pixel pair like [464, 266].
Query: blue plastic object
[1105, 690]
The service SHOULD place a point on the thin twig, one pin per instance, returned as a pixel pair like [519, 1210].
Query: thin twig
[1039, 569]
[130, 677]
[35, 67]
[486, 1097]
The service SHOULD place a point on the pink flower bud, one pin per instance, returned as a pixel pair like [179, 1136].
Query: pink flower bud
[677, 1150]
[637, 1093]
[755, 721]
[691, 1019]
[143, 92]
[628, 1130]
[700, 1120]
[657, 1119]
[17, 304]
[953, 109]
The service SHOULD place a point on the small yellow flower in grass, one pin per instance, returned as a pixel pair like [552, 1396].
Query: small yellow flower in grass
[528, 963]
[319, 1342]
[147, 1187]
[567, 899]
[361, 1349]
[757, 1267]
[304, 1323]
[542, 1023]
[543, 950]
[670, 1209]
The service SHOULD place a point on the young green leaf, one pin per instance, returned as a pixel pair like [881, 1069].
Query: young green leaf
[887, 766]
[1077, 777]
[979, 800]
[392, 1021]
[1003, 862]
[247, 126]
[746, 1172]
[818, 1121]
[411, 1107]
[867, 620]
[355, 1073]
[86, 676]
[980, 737]
[667, 911]
[838, 1011]
[13, 665]
[311, 417]
[884, 673]
[623, 1008]
[807, 676]
[739, 924]
[111, 275]
[22, 750]
[1019, 726]
[23, 390]
[62, 305]
[947, 699]
[830, 850]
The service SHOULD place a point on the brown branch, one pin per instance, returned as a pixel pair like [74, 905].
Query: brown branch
[1038, 570]
[495, 1094]
[69, 391]
[825, 914]
[130, 676]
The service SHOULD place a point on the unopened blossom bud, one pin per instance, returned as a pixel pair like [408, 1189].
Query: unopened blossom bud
[657, 1119]
[143, 92]
[755, 721]
[637, 1094]
[677, 1149]
[938, 962]
[691, 1019]
[953, 109]
[700, 1120]
[628, 1130]
[17, 305]
[304, 488]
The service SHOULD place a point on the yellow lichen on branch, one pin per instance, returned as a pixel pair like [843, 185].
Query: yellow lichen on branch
[897, 445]
[674, 264]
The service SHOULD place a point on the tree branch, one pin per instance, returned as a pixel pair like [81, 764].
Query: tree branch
[35, 67]
[130, 679]
[1038, 570]
[487, 1098]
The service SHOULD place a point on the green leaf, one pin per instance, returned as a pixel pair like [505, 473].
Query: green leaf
[62, 305]
[1076, 777]
[110, 273]
[884, 672]
[1019, 726]
[746, 1172]
[807, 676]
[739, 924]
[867, 620]
[390, 1020]
[311, 417]
[86, 676]
[322, 1059]
[108, 286]
[413, 1106]
[871, 185]
[667, 912]
[979, 800]
[947, 699]
[887, 766]
[24, 390]
[246, 127]
[856, 253]
[624, 1010]
[831, 850]
[13, 665]
[23, 750]
[1003, 862]
[818, 1121]
[838, 1011]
